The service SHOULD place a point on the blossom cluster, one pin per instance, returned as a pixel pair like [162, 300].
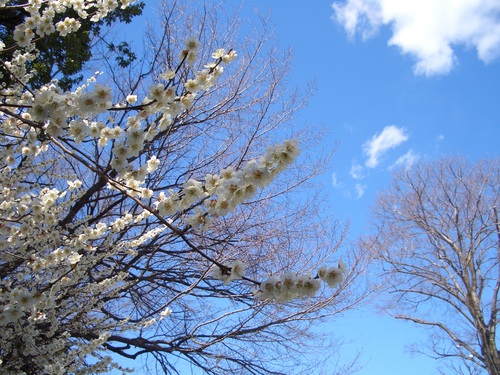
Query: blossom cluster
[333, 275]
[233, 271]
[288, 286]
[41, 19]
[50, 279]
[221, 193]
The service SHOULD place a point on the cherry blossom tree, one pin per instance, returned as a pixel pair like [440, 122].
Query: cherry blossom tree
[150, 212]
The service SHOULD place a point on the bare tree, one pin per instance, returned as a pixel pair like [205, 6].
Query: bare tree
[438, 242]
[134, 255]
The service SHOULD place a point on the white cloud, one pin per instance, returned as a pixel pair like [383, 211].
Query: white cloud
[358, 15]
[356, 171]
[407, 160]
[335, 181]
[390, 137]
[360, 190]
[427, 29]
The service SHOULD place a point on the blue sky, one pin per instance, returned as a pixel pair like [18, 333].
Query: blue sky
[398, 81]
[380, 110]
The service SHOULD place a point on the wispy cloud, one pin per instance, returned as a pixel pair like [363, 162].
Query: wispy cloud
[360, 190]
[356, 171]
[349, 127]
[390, 137]
[406, 161]
[427, 29]
[335, 181]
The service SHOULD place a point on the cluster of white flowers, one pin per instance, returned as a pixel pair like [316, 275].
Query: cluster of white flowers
[45, 281]
[288, 286]
[190, 53]
[42, 14]
[291, 286]
[333, 276]
[233, 271]
[223, 192]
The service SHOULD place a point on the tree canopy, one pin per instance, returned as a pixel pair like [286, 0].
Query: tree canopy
[62, 54]
[437, 237]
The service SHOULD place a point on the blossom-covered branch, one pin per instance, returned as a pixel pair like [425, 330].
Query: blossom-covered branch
[117, 222]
